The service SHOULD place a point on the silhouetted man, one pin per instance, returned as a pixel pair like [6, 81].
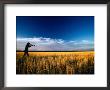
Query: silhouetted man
[28, 45]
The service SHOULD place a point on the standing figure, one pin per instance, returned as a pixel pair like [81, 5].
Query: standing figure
[28, 45]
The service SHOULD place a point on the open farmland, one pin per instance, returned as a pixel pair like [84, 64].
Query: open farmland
[55, 63]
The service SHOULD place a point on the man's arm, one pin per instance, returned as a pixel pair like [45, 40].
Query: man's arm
[32, 45]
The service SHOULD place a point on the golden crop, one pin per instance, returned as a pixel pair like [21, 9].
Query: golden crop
[55, 63]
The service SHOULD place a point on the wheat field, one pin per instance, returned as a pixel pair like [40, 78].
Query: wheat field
[55, 63]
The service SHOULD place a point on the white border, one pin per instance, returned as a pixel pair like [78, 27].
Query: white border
[96, 80]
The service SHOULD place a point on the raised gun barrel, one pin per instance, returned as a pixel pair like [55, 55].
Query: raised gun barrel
[33, 45]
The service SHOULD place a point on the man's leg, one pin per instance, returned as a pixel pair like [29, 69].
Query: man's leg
[27, 54]
[24, 54]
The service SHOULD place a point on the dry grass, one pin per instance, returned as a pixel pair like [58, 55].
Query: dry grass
[55, 63]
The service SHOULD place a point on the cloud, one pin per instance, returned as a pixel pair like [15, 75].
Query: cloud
[49, 44]
[85, 41]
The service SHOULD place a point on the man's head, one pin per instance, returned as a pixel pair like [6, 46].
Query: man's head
[28, 43]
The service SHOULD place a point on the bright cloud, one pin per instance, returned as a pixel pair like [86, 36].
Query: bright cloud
[49, 44]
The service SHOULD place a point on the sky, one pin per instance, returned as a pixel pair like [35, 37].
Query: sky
[55, 33]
